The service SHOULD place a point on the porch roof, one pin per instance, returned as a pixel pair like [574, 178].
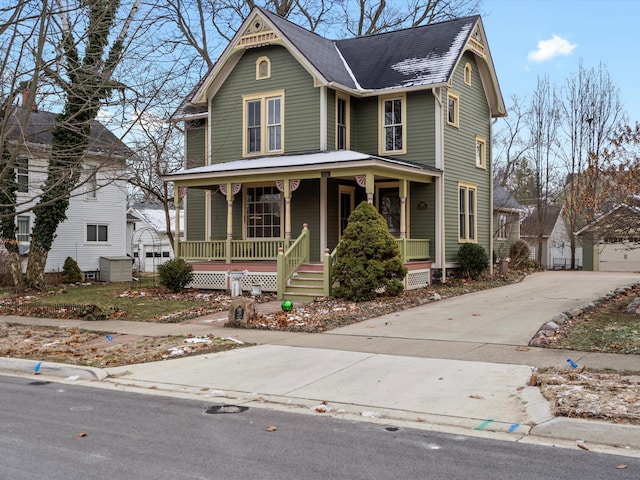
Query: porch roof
[308, 165]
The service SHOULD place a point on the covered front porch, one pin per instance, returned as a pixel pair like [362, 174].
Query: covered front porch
[246, 210]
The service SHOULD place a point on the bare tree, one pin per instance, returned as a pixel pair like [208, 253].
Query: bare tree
[542, 123]
[592, 111]
[366, 17]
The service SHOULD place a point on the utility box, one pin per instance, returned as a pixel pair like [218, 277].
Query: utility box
[115, 269]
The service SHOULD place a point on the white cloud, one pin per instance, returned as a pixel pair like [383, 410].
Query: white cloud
[555, 47]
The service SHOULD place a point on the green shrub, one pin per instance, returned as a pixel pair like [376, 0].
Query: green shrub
[71, 272]
[472, 260]
[368, 260]
[175, 274]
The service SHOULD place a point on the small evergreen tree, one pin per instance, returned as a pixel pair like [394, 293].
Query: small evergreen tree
[175, 274]
[368, 259]
[472, 260]
[71, 272]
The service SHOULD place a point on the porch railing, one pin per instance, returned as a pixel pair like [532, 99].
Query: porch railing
[230, 250]
[410, 249]
[292, 258]
[413, 248]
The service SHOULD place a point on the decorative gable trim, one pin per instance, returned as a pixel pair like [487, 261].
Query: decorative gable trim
[476, 43]
[256, 34]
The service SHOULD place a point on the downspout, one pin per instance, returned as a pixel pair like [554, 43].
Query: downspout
[323, 180]
[440, 228]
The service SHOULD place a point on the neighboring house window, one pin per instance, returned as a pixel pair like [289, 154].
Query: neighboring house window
[263, 68]
[342, 122]
[467, 194]
[24, 229]
[393, 125]
[481, 152]
[22, 174]
[264, 124]
[97, 233]
[502, 227]
[453, 109]
[467, 74]
[92, 183]
[262, 207]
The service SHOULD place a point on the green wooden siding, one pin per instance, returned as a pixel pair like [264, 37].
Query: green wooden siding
[195, 201]
[364, 125]
[301, 104]
[331, 119]
[305, 209]
[422, 221]
[195, 214]
[420, 129]
[460, 160]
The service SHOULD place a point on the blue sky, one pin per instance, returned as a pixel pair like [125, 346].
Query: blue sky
[531, 38]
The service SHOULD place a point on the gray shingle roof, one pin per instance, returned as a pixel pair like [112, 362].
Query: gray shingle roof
[503, 200]
[412, 57]
[40, 127]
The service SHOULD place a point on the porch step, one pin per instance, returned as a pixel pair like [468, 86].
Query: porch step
[305, 285]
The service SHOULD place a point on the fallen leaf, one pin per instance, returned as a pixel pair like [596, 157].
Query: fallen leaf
[522, 349]
[475, 314]
[520, 388]
[583, 447]
[153, 387]
[371, 326]
[477, 397]
[420, 420]
[80, 435]
[271, 428]
[620, 467]
[204, 389]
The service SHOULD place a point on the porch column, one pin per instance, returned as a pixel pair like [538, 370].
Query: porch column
[368, 182]
[287, 187]
[176, 238]
[402, 191]
[229, 190]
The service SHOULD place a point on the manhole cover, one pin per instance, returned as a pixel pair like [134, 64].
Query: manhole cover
[39, 382]
[225, 409]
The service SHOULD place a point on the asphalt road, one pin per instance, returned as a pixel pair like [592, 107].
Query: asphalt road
[60, 431]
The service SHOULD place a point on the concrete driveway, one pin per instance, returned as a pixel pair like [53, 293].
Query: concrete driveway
[508, 315]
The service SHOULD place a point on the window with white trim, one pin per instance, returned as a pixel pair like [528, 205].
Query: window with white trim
[262, 212]
[342, 122]
[467, 73]
[23, 233]
[263, 124]
[502, 227]
[467, 207]
[22, 174]
[97, 233]
[481, 152]
[393, 123]
[453, 109]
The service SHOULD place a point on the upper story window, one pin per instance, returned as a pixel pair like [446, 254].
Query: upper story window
[97, 233]
[393, 121]
[342, 122]
[467, 74]
[22, 174]
[481, 152]
[264, 124]
[263, 68]
[24, 228]
[453, 109]
[467, 203]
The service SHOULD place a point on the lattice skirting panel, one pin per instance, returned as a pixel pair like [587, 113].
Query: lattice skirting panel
[220, 281]
[417, 279]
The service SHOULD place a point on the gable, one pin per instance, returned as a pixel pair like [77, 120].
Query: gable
[414, 58]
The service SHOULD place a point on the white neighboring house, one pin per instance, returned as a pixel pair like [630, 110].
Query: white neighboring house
[96, 218]
[147, 239]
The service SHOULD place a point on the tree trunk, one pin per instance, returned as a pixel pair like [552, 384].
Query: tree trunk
[36, 265]
[16, 271]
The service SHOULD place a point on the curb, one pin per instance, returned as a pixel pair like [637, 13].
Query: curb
[17, 365]
[551, 328]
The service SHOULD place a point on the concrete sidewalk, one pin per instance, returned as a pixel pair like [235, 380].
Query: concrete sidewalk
[452, 363]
